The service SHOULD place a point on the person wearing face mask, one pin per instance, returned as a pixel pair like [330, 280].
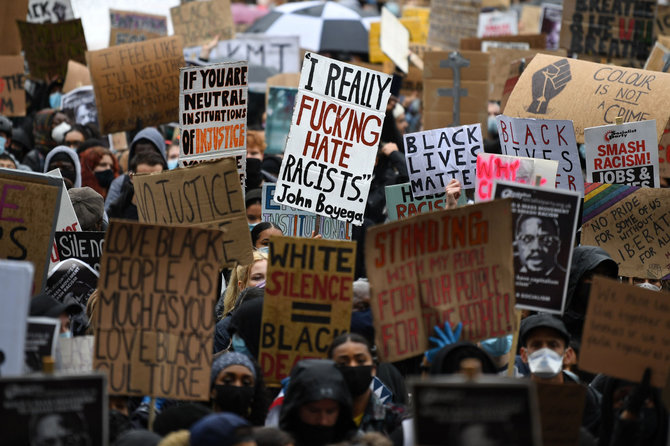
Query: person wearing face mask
[261, 233]
[5, 134]
[241, 277]
[99, 167]
[237, 386]
[252, 201]
[66, 160]
[544, 342]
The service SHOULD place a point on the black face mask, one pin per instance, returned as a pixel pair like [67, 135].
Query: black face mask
[104, 177]
[314, 435]
[358, 378]
[234, 399]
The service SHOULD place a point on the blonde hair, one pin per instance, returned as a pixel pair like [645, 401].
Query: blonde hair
[240, 274]
[92, 310]
[177, 438]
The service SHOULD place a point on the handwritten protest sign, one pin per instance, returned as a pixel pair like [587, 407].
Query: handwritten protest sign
[17, 289]
[131, 26]
[492, 167]
[332, 145]
[297, 223]
[13, 10]
[626, 330]
[623, 154]
[28, 216]
[631, 224]
[307, 301]
[453, 265]
[452, 20]
[213, 112]
[208, 194]
[278, 112]
[401, 203]
[561, 410]
[198, 22]
[137, 83]
[589, 94]
[77, 76]
[497, 23]
[664, 153]
[395, 40]
[434, 157]
[611, 31]
[545, 223]
[12, 90]
[49, 11]
[544, 139]
[170, 274]
[49, 46]
[83, 245]
[658, 57]
[75, 355]
[534, 41]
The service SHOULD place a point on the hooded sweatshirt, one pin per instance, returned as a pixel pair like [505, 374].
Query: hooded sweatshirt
[148, 134]
[315, 380]
[72, 154]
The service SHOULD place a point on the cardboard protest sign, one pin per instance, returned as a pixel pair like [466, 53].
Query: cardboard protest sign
[589, 94]
[545, 223]
[497, 23]
[169, 272]
[131, 26]
[307, 301]
[551, 24]
[395, 40]
[452, 265]
[561, 410]
[77, 76]
[67, 217]
[12, 89]
[15, 293]
[41, 340]
[610, 31]
[137, 83]
[213, 112]
[452, 20]
[401, 203]
[49, 11]
[80, 105]
[535, 41]
[479, 411]
[72, 280]
[54, 409]
[208, 195]
[332, 146]
[544, 139]
[297, 223]
[49, 46]
[664, 154]
[623, 154]
[631, 224]
[492, 167]
[28, 216]
[659, 58]
[13, 10]
[278, 113]
[75, 355]
[530, 19]
[198, 22]
[434, 157]
[82, 245]
[626, 330]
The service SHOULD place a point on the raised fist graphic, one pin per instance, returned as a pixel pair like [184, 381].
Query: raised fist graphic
[547, 83]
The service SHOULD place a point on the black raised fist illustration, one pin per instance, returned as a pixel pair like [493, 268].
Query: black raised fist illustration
[547, 83]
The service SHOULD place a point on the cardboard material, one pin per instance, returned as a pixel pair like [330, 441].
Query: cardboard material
[49, 11]
[164, 350]
[631, 224]
[131, 26]
[561, 410]
[626, 330]
[278, 114]
[13, 10]
[401, 203]
[137, 84]
[497, 23]
[208, 194]
[623, 154]
[15, 294]
[394, 40]
[664, 153]
[589, 94]
[657, 60]
[198, 22]
[492, 167]
[544, 139]
[77, 76]
[83, 245]
[530, 19]
[12, 90]
[332, 146]
[452, 265]
[49, 46]
[452, 20]
[307, 301]
[75, 355]
[536, 41]
[434, 157]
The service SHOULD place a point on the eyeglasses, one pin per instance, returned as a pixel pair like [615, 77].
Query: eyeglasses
[544, 240]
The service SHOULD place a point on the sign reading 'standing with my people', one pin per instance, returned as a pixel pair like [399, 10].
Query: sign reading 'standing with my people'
[335, 132]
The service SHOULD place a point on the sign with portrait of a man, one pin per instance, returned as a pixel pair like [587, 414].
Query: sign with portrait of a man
[545, 222]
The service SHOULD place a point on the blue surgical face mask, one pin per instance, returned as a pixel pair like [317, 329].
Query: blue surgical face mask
[239, 345]
[497, 347]
[491, 125]
[264, 249]
[252, 226]
[3, 141]
[55, 99]
[172, 164]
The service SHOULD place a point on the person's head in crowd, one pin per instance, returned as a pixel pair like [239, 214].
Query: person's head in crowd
[544, 342]
[493, 111]
[317, 407]
[400, 118]
[44, 124]
[89, 206]
[179, 417]
[254, 207]
[244, 276]
[5, 134]
[146, 162]
[256, 144]
[272, 436]
[125, 206]
[537, 244]
[452, 358]
[65, 159]
[137, 437]
[361, 290]
[270, 167]
[237, 386]
[254, 174]
[99, 167]
[47, 306]
[148, 140]
[173, 156]
[261, 233]
[177, 438]
[7, 161]
[245, 327]
[643, 282]
[74, 137]
[222, 429]
[20, 144]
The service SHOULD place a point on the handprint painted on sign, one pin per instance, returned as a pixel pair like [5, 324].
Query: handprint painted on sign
[547, 83]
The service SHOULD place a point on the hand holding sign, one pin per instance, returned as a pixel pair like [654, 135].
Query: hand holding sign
[548, 83]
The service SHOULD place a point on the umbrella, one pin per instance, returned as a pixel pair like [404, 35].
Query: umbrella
[321, 26]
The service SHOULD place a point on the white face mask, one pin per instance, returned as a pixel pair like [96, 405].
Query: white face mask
[545, 363]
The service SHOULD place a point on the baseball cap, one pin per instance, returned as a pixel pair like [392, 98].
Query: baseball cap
[542, 320]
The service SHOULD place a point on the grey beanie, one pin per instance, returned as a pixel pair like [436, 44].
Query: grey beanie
[228, 359]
